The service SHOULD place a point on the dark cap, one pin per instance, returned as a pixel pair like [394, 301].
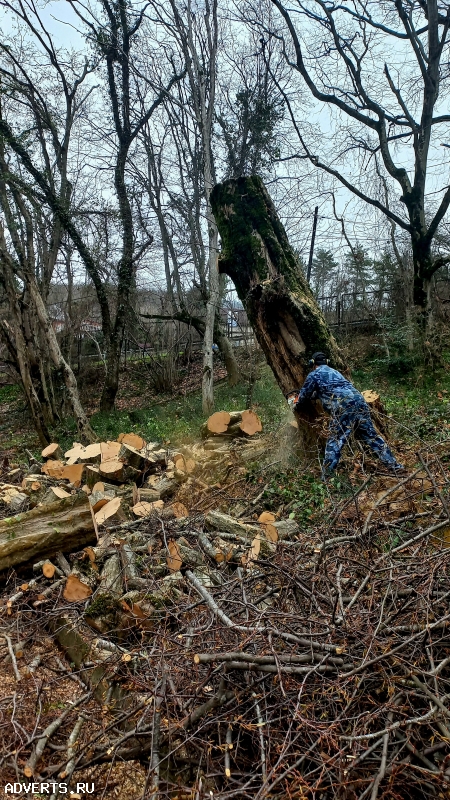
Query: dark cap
[319, 358]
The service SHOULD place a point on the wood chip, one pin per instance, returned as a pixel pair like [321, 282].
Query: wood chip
[75, 590]
[174, 560]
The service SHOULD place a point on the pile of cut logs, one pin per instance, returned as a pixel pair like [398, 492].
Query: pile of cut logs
[223, 426]
[61, 504]
[64, 500]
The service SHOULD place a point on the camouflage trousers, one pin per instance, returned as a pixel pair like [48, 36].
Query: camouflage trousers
[353, 416]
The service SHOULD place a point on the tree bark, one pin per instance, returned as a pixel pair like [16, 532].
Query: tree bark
[63, 526]
[226, 349]
[84, 429]
[265, 270]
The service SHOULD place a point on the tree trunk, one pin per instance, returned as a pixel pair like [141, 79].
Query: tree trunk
[226, 348]
[265, 270]
[84, 429]
[211, 310]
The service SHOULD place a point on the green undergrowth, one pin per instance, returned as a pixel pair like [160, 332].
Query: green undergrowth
[178, 420]
[174, 421]
[417, 401]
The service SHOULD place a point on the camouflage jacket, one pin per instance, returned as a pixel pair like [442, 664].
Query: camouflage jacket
[331, 388]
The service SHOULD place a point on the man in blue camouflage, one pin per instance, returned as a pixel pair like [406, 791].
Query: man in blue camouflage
[349, 414]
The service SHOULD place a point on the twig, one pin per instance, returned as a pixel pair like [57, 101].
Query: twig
[12, 656]
[39, 748]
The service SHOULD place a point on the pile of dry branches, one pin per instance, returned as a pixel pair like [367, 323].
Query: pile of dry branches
[316, 666]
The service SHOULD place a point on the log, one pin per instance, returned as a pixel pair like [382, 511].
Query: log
[53, 468]
[223, 522]
[91, 476]
[111, 577]
[52, 451]
[218, 422]
[179, 461]
[144, 509]
[65, 525]
[286, 528]
[165, 486]
[250, 423]
[54, 493]
[111, 470]
[111, 512]
[110, 450]
[149, 495]
[234, 430]
[130, 474]
[74, 453]
[132, 457]
[48, 569]
[91, 454]
[159, 456]
[73, 473]
[286, 319]
[217, 443]
[190, 557]
[17, 502]
[99, 499]
[132, 439]
[59, 492]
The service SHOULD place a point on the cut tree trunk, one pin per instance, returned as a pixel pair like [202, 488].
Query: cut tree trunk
[63, 526]
[377, 411]
[266, 272]
[236, 423]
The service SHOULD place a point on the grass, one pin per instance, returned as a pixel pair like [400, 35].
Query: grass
[176, 420]
[417, 401]
[179, 420]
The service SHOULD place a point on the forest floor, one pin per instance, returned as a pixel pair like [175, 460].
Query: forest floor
[416, 401]
[310, 583]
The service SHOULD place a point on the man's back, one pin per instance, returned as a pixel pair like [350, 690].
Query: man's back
[329, 386]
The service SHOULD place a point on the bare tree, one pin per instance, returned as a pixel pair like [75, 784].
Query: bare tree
[393, 113]
[27, 260]
[196, 32]
[112, 37]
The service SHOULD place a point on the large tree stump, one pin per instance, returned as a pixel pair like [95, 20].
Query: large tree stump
[266, 272]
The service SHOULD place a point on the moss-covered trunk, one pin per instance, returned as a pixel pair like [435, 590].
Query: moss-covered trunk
[265, 270]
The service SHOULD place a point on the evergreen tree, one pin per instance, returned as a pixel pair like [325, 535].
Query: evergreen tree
[358, 268]
[385, 270]
[323, 272]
